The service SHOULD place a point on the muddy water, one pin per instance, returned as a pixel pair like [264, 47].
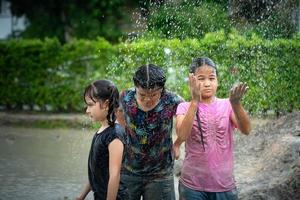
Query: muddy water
[43, 164]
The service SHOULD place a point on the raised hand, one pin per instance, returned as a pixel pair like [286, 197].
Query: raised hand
[237, 92]
[195, 88]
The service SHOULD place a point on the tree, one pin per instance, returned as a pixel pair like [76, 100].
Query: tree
[271, 19]
[70, 18]
[187, 18]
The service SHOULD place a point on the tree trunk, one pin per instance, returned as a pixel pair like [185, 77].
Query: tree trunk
[67, 28]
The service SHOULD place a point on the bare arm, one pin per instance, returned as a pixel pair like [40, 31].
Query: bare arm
[239, 116]
[85, 191]
[184, 123]
[116, 149]
[176, 148]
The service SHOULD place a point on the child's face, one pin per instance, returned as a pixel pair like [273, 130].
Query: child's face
[148, 98]
[97, 111]
[207, 77]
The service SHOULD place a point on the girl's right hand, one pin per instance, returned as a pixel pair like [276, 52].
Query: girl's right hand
[237, 92]
[195, 88]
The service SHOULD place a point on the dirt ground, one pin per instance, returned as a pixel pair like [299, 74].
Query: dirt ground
[267, 162]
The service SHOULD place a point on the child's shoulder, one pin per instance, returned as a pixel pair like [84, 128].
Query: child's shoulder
[127, 91]
[118, 128]
[218, 101]
[169, 93]
[173, 97]
[127, 94]
[118, 132]
[184, 105]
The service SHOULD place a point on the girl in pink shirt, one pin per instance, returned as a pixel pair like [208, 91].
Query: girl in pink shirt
[206, 124]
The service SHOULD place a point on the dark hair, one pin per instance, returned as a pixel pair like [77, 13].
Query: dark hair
[104, 90]
[196, 63]
[149, 76]
[199, 62]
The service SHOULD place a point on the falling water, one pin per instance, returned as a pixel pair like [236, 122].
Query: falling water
[148, 76]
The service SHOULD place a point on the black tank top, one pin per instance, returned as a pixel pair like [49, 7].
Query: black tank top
[98, 162]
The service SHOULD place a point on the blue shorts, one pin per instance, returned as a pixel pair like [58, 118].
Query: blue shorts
[186, 193]
[149, 188]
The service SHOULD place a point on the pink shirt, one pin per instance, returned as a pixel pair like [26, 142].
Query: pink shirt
[209, 170]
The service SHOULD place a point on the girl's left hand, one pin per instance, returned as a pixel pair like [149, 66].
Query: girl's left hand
[237, 92]
[176, 149]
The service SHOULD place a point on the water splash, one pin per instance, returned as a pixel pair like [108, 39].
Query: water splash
[148, 76]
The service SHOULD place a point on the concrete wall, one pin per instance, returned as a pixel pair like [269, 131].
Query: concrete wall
[8, 23]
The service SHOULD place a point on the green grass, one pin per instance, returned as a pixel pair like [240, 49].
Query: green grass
[52, 124]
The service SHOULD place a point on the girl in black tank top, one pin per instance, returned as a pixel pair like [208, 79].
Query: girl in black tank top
[106, 153]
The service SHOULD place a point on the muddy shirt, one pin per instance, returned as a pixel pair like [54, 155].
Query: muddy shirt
[98, 162]
[149, 135]
[209, 169]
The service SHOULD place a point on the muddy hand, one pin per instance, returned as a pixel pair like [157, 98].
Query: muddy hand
[237, 92]
[176, 149]
[195, 88]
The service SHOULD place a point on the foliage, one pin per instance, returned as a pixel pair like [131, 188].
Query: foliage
[167, 19]
[187, 20]
[70, 19]
[51, 76]
[194, 18]
[270, 19]
[45, 75]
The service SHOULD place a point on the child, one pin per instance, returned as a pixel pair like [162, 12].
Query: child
[148, 110]
[206, 125]
[106, 153]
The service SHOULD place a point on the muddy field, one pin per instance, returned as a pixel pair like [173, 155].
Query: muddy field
[267, 162]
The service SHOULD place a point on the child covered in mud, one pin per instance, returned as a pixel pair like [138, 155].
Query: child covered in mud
[148, 111]
[206, 124]
[106, 153]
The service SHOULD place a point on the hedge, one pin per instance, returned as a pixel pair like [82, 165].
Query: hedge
[45, 75]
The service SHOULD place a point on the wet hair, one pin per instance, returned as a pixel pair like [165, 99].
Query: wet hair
[149, 76]
[196, 63]
[102, 90]
[201, 61]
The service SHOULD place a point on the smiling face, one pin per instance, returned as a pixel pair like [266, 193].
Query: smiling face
[148, 98]
[97, 111]
[207, 77]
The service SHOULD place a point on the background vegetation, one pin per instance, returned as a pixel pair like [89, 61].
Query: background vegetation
[115, 20]
[50, 76]
[67, 44]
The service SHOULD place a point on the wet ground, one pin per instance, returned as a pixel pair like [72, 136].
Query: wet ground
[42, 164]
[52, 163]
